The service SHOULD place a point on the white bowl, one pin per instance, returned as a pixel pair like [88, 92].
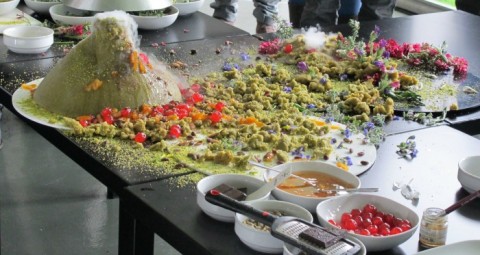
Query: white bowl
[310, 203]
[64, 15]
[335, 207]
[234, 180]
[39, 6]
[28, 39]
[262, 240]
[469, 173]
[288, 249]
[188, 8]
[6, 7]
[157, 22]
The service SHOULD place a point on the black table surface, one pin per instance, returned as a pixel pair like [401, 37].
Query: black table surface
[173, 213]
[16, 69]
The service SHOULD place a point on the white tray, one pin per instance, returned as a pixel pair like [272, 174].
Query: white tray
[470, 247]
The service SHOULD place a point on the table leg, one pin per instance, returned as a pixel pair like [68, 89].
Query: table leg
[144, 239]
[1, 114]
[126, 232]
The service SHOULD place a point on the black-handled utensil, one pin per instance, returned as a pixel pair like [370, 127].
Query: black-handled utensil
[307, 236]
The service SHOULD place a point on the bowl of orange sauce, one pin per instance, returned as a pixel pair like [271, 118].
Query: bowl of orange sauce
[323, 178]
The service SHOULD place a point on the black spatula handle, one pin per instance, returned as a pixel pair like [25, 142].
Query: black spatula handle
[217, 198]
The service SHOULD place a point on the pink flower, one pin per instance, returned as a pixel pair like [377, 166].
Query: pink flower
[78, 29]
[269, 47]
[144, 58]
[395, 84]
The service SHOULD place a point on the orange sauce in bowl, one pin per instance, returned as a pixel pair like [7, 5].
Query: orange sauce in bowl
[321, 180]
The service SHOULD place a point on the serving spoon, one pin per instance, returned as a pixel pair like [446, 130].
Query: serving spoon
[311, 183]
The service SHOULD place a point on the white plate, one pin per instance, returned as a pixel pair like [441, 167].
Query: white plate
[20, 95]
[470, 247]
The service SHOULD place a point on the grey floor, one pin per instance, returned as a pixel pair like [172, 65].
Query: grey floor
[48, 204]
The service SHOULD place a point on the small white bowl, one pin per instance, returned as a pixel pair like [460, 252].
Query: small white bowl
[234, 180]
[288, 249]
[261, 240]
[39, 6]
[188, 8]
[335, 207]
[6, 7]
[310, 203]
[28, 39]
[64, 15]
[469, 173]
[157, 22]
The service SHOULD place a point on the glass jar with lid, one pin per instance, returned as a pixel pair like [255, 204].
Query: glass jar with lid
[433, 227]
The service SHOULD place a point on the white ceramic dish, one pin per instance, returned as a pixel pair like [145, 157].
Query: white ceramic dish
[234, 180]
[157, 22]
[28, 39]
[291, 250]
[6, 7]
[310, 203]
[188, 8]
[469, 247]
[469, 173]
[40, 7]
[261, 240]
[333, 209]
[64, 15]
[20, 96]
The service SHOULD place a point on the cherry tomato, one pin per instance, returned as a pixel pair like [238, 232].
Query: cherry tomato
[350, 224]
[106, 112]
[182, 113]
[215, 117]
[109, 119]
[366, 223]
[356, 212]
[373, 229]
[377, 220]
[288, 48]
[84, 123]
[345, 217]
[369, 208]
[140, 137]
[388, 218]
[219, 106]
[396, 230]
[367, 215]
[175, 131]
[125, 112]
[197, 98]
[363, 232]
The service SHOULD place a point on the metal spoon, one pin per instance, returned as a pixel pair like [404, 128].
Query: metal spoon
[253, 163]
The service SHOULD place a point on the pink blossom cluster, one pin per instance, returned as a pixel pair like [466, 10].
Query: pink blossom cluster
[425, 55]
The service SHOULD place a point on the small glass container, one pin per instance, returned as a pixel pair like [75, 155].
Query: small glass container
[433, 227]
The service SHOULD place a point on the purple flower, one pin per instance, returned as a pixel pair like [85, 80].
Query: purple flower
[347, 132]
[329, 119]
[382, 43]
[396, 118]
[244, 56]
[365, 131]
[323, 80]
[358, 51]
[376, 30]
[311, 106]
[348, 161]
[369, 125]
[227, 67]
[302, 66]
[386, 54]
[287, 89]
[344, 77]
[379, 63]
[414, 153]
[333, 141]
